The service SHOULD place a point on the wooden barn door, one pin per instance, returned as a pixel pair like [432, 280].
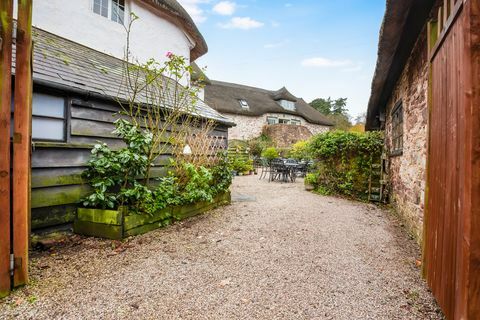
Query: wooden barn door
[451, 191]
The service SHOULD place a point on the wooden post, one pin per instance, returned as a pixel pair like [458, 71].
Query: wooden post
[6, 24]
[22, 142]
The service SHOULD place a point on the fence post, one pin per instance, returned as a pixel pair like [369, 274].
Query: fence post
[6, 25]
[22, 142]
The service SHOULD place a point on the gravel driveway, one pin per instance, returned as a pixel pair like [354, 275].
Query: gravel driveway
[278, 252]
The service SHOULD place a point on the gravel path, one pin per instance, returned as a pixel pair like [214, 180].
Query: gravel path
[278, 252]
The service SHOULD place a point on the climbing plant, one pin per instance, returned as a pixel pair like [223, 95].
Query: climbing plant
[343, 161]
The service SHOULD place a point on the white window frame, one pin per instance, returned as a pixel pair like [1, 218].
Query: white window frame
[288, 105]
[244, 104]
[275, 120]
[110, 5]
[295, 122]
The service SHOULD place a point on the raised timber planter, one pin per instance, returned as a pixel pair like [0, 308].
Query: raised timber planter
[118, 224]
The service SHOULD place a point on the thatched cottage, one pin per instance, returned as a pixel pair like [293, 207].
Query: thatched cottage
[254, 110]
[425, 96]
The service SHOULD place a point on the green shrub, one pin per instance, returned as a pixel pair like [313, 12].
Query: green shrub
[300, 151]
[344, 161]
[270, 153]
[311, 179]
[114, 177]
[242, 164]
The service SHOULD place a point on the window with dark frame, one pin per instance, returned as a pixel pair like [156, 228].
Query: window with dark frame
[48, 117]
[118, 11]
[397, 129]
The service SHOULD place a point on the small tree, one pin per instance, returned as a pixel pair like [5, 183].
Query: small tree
[153, 97]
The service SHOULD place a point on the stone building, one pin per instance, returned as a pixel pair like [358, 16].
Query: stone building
[425, 97]
[254, 110]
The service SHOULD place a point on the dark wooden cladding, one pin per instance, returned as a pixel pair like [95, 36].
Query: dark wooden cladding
[452, 227]
[57, 167]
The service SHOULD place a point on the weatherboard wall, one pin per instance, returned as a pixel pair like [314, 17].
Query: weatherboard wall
[57, 184]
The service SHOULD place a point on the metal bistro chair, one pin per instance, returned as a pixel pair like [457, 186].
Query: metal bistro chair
[292, 168]
[265, 166]
[278, 171]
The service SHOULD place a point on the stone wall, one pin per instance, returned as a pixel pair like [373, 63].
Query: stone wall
[284, 135]
[251, 127]
[407, 171]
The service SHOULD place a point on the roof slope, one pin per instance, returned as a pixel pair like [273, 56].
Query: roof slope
[224, 96]
[64, 64]
[402, 23]
[180, 16]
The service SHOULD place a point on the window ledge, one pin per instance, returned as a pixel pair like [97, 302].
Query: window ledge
[396, 153]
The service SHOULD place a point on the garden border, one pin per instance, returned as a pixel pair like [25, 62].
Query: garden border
[118, 225]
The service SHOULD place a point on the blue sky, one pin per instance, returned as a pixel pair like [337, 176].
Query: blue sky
[316, 48]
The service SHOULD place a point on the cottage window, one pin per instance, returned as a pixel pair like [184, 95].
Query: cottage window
[101, 7]
[118, 11]
[272, 120]
[397, 129]
[48, 117]
[287, 105]
[244, 104]
[284, 121]
[112, 9]
[295, 122]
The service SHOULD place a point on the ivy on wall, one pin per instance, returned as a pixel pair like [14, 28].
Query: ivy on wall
[344, 160]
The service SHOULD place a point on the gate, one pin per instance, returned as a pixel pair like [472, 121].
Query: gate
[15, 175]
[450, 242]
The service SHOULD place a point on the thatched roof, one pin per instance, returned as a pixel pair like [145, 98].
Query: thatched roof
[224, 97]
[179, 16]
[403, 22]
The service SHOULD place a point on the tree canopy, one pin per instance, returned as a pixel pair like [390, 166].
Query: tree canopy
[335, 110]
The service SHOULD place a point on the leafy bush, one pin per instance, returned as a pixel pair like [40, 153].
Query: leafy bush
[300, 151]
[114, 177]
[270, 153]
[344, 161]
[311, 179]
[242, 165]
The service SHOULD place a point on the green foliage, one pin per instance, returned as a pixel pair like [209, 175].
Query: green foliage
[311, 179]
[300, 151]
[242, 164]
[344, 161]
[335, 110]
[114, 175]
[270, 153]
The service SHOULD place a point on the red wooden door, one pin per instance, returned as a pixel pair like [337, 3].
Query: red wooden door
[450, 252]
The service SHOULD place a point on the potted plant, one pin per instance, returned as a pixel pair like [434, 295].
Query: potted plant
[310, 181]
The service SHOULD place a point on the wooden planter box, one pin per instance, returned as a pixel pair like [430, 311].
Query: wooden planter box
[118, 224]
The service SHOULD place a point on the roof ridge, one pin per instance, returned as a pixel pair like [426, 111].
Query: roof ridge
[237, 85]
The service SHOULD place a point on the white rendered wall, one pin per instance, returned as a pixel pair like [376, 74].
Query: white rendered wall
[152, 36]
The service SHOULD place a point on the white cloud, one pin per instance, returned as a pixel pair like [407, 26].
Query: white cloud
[194, 10]
[244, 23]
[225, 8]
[320, 62]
